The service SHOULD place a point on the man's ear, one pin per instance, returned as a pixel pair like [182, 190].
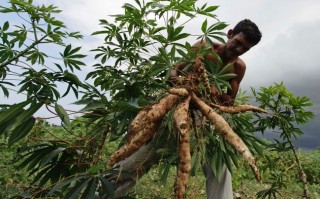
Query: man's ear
[230, 34]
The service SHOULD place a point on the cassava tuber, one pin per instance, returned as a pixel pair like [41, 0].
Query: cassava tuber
[224, 129]
[238, 109]
[181, 118]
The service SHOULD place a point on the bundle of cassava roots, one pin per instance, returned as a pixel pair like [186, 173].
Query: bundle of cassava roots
[184, 92]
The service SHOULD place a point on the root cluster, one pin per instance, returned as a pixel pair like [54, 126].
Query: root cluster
[146, 123]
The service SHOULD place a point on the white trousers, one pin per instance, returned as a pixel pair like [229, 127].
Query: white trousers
[215, 188]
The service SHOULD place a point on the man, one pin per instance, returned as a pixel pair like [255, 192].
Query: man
[242, 38]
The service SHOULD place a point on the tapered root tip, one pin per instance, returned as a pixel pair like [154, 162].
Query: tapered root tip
[256, 172]
[252, 163]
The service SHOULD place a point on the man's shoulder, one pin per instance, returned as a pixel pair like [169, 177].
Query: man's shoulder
[240, 64]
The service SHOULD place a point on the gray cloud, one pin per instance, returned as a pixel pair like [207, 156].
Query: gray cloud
[292, 58]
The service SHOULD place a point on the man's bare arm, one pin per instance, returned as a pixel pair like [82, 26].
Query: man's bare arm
[229, 97]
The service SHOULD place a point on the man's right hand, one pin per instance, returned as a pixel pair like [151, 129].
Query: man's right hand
[214, 91]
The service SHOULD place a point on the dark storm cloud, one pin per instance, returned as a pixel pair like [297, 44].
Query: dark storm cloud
[294, 59]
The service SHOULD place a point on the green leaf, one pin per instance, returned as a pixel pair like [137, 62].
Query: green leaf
[165, 170]
[5, 26]
[13, 111]
[211, 8]
[93, 105]
[181, 36]
[67, 50]
[89, 192]
[227, 162]
[107, 186]
[5, 90]
[65, 182]
[227, 76]
[204, 26]
[5, 127]
[21, 131]
[48, 157]
[25, 115]
[225, 69]
[73, 78]
[75, 191]
[62, 114]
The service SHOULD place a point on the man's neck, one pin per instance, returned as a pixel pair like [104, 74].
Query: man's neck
[221, 51]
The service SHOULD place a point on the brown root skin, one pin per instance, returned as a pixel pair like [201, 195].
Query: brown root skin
[181, 116]
[202, 72]
[238, 109]
[224, 129]
[182, 121]
[143, 127]
[178, 91]
[135, 143]
[151, 114]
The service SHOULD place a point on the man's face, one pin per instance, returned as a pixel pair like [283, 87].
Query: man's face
[237, 44]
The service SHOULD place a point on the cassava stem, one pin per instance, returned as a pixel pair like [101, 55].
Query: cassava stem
[181, 118]
[224, 129]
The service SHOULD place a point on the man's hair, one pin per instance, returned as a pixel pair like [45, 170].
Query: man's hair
[249, 29]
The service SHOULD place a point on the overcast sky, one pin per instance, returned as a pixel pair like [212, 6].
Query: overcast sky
[289, 50]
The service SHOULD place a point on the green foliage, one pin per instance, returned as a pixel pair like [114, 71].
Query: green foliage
[141, 46]
[12, 179]
[310, 162]
[288, 111]
[24, 65]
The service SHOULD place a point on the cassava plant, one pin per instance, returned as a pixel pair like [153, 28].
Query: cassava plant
[289, 111]
[129, 101]
[36, 61]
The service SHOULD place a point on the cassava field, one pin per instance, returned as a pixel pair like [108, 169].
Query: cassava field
[154, 186]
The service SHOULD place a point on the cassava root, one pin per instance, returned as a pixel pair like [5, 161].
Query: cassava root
[143, 127]
[178, 91]
[151, 114]
[224, 129]
[135, 143]
[238, 109]
[181, 119]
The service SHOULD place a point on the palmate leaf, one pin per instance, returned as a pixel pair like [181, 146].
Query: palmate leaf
[217, 74]
[66, 182]
[33, 154]
[84, 186]
[49, 161]
[75, 191]
[90, 190]
[71, 59]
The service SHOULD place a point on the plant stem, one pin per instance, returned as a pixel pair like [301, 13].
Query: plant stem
[34, 29]
[4, 64]
[303, 176]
